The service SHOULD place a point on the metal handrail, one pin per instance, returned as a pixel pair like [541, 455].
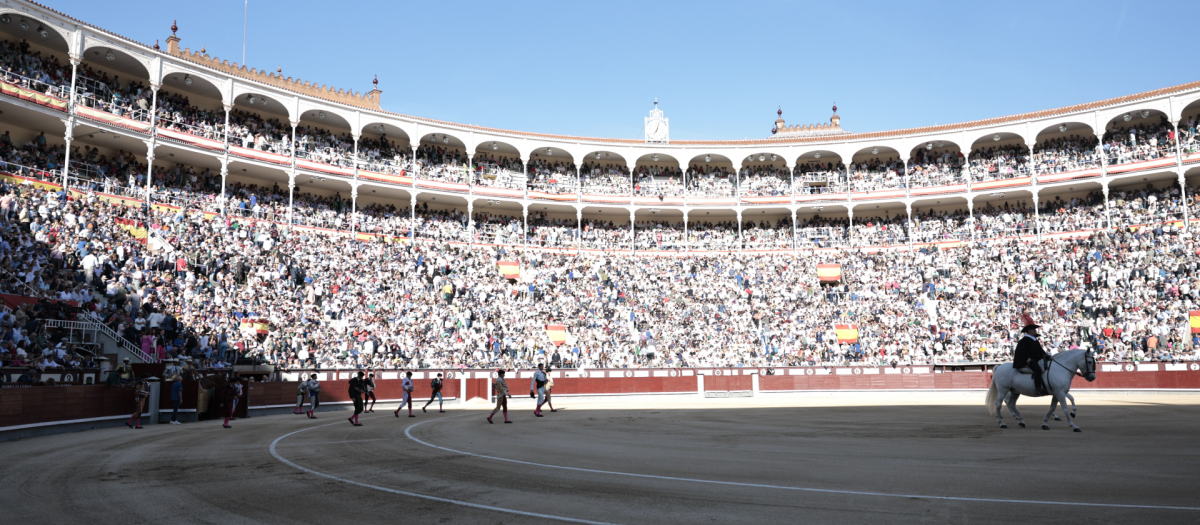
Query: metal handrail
[101, 327]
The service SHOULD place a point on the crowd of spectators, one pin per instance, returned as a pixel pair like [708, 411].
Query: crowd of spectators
[816, 178]
[710, 181]
[332, 301]
[658, 181]
[764, 181]
[877, 174]
[605, 179]
[999, 162]
[1139, 143]
[935, 168]
[1065, 154]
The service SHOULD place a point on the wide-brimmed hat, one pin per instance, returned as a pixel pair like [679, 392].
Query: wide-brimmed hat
[1026, 320]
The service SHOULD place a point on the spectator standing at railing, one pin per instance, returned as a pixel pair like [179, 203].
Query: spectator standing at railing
[176, 399]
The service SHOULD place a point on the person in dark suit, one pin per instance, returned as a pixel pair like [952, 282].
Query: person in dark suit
[1029, 353]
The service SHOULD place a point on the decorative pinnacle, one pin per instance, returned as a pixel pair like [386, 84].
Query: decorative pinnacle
[174, 27]
[779, 111]
[835, 107]
[376, 81]
[156, 45]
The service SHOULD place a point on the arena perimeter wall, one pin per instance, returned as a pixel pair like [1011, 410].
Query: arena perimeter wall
[36, 410]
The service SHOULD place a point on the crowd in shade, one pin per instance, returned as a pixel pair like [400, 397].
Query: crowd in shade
[605, 179]
[658, 181]
[815, 177]
[710, 181]
[999, 162]
[876, 173]
[929, 167]
[764, 181]
[1146, 138]
[557, 176]
[1073, 153]
[336, 302]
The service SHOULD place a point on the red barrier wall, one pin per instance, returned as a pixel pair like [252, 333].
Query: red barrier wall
[951, 380]
[724, 383]
[615, 385]
[272, 394]
[41, 404]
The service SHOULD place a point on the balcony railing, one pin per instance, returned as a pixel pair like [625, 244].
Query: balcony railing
[12, 77]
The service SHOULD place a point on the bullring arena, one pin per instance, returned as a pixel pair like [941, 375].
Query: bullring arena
[201, 262]
[923, 453]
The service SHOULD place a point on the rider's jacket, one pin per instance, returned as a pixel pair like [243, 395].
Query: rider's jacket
[1028, 349]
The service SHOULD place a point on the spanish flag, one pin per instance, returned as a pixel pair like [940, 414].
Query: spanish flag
[510, 269]
[846, 333]
[256, 325]
[1194, 318]
[829, 273]
[135, 228]
[557, 333]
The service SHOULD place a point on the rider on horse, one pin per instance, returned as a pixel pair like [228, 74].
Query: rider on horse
[1029, 353]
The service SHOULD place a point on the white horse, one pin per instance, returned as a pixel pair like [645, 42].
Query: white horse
[1064, 367]
[1053, 406]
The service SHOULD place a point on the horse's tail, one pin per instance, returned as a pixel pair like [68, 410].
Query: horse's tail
[990, 400]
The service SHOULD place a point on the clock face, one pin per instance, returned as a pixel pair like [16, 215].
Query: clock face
[656, 130]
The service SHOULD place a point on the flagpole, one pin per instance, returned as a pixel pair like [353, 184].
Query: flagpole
[245, 17]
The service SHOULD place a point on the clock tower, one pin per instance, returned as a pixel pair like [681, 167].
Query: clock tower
[657, 127]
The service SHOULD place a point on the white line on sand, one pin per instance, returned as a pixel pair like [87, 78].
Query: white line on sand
[407, 433]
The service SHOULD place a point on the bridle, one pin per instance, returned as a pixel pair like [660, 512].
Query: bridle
[1089, 365]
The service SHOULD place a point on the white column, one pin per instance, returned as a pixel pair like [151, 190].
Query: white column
[1032, 165]
[150, 145]
[75, 60]
[291, 196]
[1183, 196]
[225, 159]
[971, 214]
[1107, 215]
[908, 225]
[687, 244]
[149, 176]
[850, 225]
[470, 222]
[578, 229]
[70, 124]
[1037, 220]
[632, 231]
[354, 212]
[966, 167]
[412, 223]
[739, 219]
[356, 137]
[795, 243]
[525, 225]
[224, 175]
[67, 136]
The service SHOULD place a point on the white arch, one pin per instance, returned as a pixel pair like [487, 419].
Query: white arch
[287, 101]
[306, 105]
[147, 63]
[1109, 116]
[170, 68]
[63, 31]
[1019, 129]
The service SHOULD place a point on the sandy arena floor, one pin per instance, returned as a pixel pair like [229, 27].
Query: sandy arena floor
[815, 458]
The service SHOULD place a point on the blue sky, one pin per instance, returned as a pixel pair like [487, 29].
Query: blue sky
[719, 69]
